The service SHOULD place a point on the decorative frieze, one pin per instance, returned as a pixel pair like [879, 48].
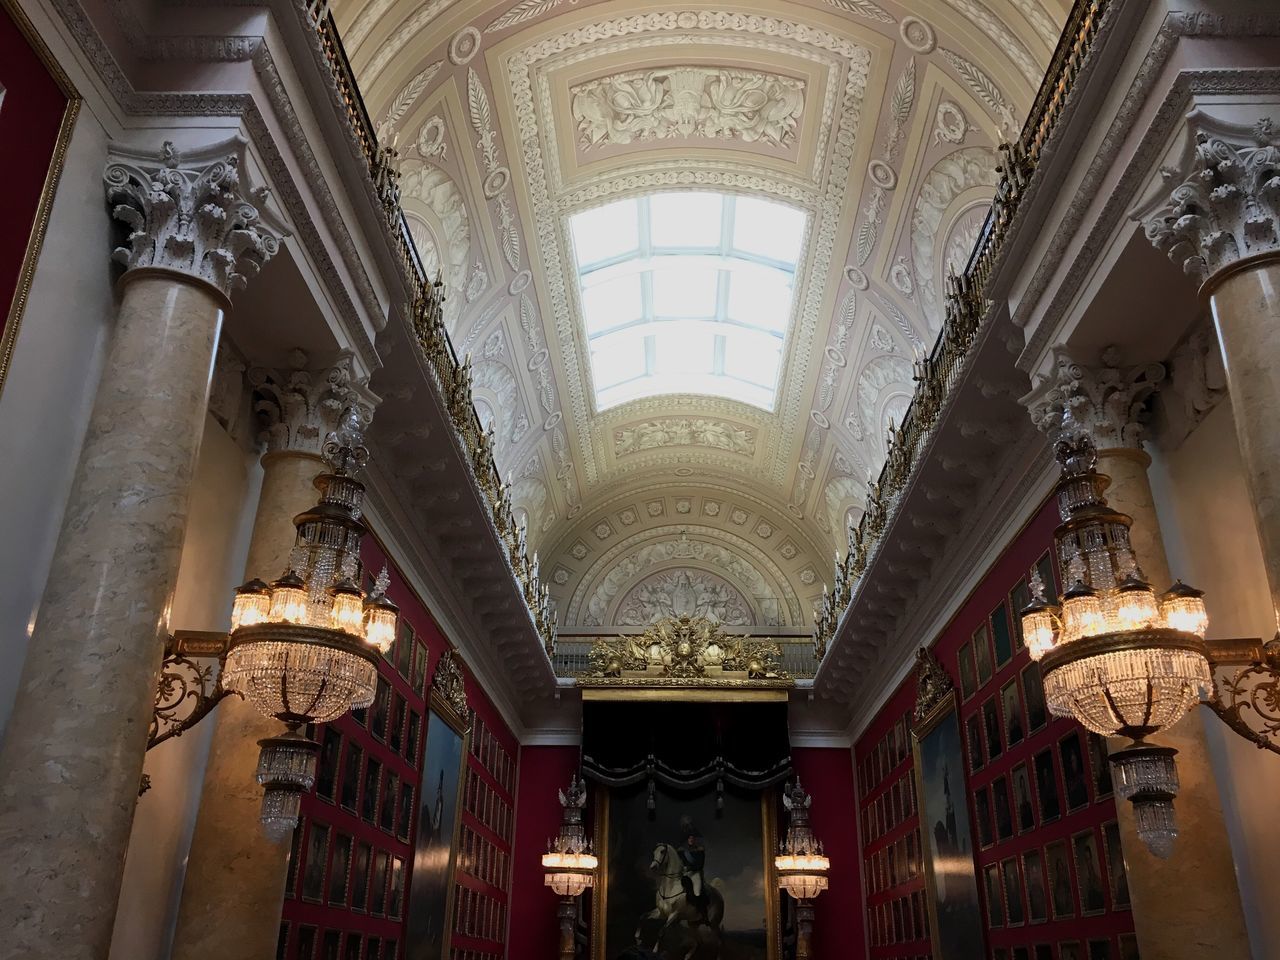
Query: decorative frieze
[1228, 206]
[714, 103]
[1107, 403]
[195, 217]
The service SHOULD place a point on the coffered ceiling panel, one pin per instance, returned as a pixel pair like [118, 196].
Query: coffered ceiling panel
[877, 121]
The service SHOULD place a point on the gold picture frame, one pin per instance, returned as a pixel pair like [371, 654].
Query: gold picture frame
[57, 161]
[769, 845]
[944, 712]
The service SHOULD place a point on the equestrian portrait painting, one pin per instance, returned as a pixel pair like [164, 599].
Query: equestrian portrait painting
[686, 877]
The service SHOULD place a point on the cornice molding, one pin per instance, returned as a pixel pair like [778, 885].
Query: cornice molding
[1186, 85]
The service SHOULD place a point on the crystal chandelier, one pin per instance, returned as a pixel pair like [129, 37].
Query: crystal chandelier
[569, 866]
[801, 865]
[305, 648]
[1114, 656]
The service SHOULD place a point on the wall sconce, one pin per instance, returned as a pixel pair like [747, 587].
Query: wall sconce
[801, 865]
[1124, 662]
[569, 866]
[303, 649]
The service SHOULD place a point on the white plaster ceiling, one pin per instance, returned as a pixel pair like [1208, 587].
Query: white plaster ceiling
[878, 119]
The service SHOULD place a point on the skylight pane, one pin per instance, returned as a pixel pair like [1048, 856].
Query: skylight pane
[616, 358]
[679, 349]
[752, 357]
[767, 229]
[685, 220]
[612, 303]
[681, 290]
[687, 292]
[761, 298]
[603, 233]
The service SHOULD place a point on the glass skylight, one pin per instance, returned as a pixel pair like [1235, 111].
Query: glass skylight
[687, 293]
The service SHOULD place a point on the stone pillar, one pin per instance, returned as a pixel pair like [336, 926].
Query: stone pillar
[1189, 904]
[1222, 224]
[71, 762]
[233, 891]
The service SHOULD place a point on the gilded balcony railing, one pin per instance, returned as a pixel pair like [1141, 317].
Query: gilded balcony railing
[965, 313]
[426, 301]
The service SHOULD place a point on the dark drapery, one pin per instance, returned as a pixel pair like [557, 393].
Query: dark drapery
[686, 745]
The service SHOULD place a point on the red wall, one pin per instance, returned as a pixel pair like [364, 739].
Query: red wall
[839, 920]
[888, 815]
[534, 930]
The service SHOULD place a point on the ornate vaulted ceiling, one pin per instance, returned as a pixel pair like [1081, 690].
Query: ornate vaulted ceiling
[878, 119]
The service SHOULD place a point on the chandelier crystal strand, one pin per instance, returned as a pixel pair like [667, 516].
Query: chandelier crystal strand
[569, 865]
[1114, 657]
[305, 649]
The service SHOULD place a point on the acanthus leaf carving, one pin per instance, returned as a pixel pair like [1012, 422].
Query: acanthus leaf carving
[713, 103]
[684, 432]
[197, 218]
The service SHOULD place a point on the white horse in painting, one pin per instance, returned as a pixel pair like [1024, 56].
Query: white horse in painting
[672, 907]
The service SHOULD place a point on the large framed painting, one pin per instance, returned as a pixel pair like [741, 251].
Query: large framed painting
[685, 879]
[955, 916]
[38, 108]
[431, 886]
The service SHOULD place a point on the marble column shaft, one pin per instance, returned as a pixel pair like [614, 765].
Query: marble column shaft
[233, 892]
[71, 762]
[1246, 311]
[1188, 906]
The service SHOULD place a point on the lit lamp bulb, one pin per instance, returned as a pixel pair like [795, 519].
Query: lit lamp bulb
[380, 619]
[251, 606]
[347, 612]
[1081, 613]
[1183, 609]
[1135, 604]
[1039, 628]
[289, 599]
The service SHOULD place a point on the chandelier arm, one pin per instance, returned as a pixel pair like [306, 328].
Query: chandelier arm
[1254, 686]
[188, 689]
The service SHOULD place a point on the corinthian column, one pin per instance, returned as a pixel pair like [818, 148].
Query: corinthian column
[233, 892]
[1222, 225]
[71, 762]
[1190, 903]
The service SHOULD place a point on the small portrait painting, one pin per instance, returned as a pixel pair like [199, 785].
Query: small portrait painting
[1070, 950]
[1001, 634]
[1044, 951]
[1047, 786]
[1100, 765]
[315, 862]
[1099, 950]
[1024, 810]
[1033, 693]
[1048, 576]
[1011, 701]
[991, 724]
[1060, 895]
[1021, 953]
[973, 734]
[982, 654]
[1117, 877]
[1093, 898]
[1015, 911]
[1129, 946]
[1074, 774]
[1004, 813]
[968, 672]
[995, 896]
[1019, 597]
[982, 812]
[1037, 892]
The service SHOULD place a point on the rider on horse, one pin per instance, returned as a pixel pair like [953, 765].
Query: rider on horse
[693, 855]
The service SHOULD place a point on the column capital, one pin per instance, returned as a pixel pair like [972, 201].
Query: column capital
[302, 404]
[191, 214]
[1227, 207]
[1105, 402]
